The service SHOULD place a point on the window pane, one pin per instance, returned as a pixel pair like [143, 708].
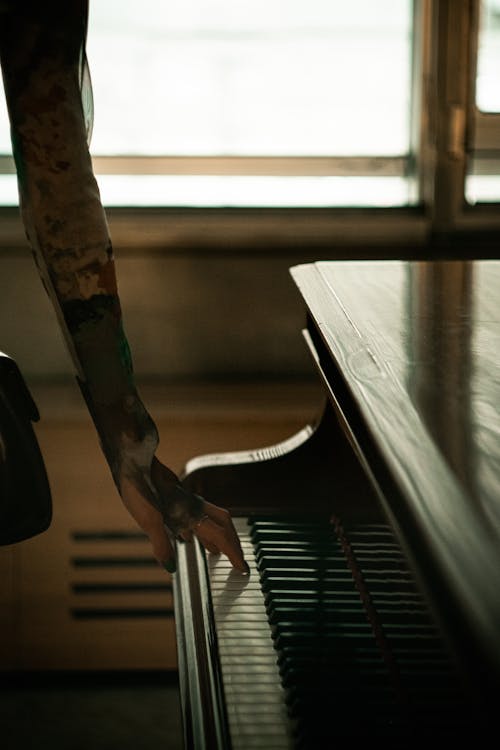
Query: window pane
[488, 63]
[267, 77]
[261, 77]
[482, 184]
[482, 189]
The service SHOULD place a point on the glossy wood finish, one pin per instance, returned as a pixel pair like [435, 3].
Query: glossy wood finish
[409, 433]
[315, 463]
[413, 349]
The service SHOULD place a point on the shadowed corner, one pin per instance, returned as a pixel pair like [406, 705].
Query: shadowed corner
[98, 710]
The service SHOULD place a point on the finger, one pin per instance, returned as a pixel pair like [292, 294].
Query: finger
[208, 544]
[211, 548]
[225, 539]
[216, 513]
[223, 518]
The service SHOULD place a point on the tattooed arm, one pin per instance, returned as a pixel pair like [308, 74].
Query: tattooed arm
[42, 56]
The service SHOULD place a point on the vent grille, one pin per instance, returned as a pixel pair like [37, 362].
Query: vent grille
[113, 575]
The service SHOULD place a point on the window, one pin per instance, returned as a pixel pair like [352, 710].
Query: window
[327, 107]
[252, 103]
[483, 181]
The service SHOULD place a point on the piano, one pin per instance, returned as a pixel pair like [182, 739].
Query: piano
[372, 609]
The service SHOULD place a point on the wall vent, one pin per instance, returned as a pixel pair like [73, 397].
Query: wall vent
[113, 575]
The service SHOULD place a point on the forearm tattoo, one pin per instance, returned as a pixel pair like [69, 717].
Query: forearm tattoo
[42, 54]
[179, 508]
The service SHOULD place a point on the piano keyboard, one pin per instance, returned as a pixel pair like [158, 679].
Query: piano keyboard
[327, 637]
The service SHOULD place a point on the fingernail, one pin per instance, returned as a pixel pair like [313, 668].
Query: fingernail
[170, 565]
[246, 572]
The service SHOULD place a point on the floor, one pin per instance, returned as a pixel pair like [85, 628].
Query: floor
[122, 711]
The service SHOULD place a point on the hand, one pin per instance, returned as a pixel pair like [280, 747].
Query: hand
[216, 532]
[184, 514]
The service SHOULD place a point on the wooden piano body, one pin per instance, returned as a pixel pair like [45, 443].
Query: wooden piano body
[372, 611]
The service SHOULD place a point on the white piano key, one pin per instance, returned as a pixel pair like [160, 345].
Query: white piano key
[252, 670]
[241, 630]
[269, 715]
[239, 660]
[244, 697]
[260, 743]
[233, 650]
[251, 639]
[240, 609]
[251, 697]
[261, 681]
[254, 696]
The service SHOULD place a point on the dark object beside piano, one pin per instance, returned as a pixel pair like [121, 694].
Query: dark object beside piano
[25, 497]
[372, 611]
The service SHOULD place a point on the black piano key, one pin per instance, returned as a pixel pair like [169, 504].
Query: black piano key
[319, 629]
[360, 662]
[308, 599]
[292, 536]
[328, 585]
[297, 609]
[296, 546]
[314, 532]
[316, 571]
[299, 561]
[368, 652]
[355, 653]
[317, 614]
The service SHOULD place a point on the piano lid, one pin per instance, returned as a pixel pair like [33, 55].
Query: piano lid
[418, 346]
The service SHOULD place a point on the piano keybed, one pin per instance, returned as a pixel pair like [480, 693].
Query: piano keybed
[328, 637]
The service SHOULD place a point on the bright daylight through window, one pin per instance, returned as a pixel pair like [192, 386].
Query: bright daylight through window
[195, 92]
[483, 184]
